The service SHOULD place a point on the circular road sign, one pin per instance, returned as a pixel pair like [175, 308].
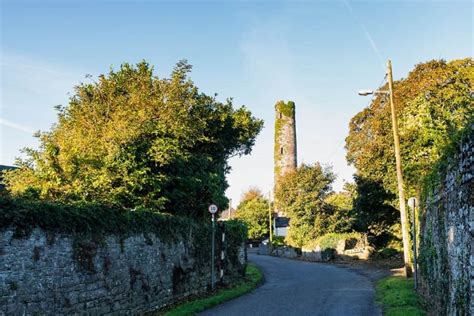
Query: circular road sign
[212, 209]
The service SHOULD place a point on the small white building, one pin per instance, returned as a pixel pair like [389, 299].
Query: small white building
[280, 225]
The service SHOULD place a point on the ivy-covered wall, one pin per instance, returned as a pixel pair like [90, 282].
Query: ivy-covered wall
[447, 229]
[65, 260]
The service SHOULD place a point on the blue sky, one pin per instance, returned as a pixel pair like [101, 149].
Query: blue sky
[316, 53]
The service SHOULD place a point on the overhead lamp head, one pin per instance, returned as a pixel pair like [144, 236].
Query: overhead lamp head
[366, 92]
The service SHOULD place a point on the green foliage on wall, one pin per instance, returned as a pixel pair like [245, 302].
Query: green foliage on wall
[433, 251]
[89, 225]
[236, 236]
[135, 140]
[88, 219]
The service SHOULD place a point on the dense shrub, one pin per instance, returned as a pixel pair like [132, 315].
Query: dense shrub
[132, 139]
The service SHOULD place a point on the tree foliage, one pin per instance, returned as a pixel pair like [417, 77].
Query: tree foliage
[301, 196]
[373, 212]
[253, 211]
[434, 104]
[341, 218]
[135, 140]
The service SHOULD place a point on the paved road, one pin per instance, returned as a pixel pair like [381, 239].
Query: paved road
[303, 288]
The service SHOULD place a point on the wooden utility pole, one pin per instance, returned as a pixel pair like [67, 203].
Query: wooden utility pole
[270, 222]
[401, 193]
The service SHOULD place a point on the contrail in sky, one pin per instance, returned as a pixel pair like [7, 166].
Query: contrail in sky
[366, 32]
[16, 126]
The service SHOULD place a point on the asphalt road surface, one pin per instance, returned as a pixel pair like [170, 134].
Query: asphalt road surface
[303, 288]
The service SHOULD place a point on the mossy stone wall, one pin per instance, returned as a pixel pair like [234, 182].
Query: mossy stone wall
[61, 260]
[447, 228]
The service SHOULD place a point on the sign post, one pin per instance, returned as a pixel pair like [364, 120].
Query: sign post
[270, 219]
[213, 210]
[413, 204]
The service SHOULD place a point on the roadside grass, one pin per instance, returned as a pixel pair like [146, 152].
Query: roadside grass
[398, 298]
[253, 277]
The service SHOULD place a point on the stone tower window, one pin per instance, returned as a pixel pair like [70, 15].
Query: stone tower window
[280, 115]
[281, 149]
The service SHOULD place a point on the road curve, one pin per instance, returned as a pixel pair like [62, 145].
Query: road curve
[295, 287]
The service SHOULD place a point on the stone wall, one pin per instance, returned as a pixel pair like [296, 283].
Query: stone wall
[62, 274]
[447, 229]
[356, 247]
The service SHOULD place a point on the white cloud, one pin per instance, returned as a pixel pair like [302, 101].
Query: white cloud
[366, 33]
[15, 126]
[29, 90]
[19, 73]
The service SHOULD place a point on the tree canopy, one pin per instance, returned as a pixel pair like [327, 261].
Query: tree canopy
[434, 105]
[301, 196]
[135, 140]
[253, 211]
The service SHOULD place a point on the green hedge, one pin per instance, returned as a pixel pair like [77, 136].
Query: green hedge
[89, 224]
[24, 215]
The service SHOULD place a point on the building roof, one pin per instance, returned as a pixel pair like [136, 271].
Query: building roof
[227, 214]
[3, 167]
[282, 222]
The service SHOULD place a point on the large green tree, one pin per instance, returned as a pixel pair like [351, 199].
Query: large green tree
[434, 104]
[253, 211]
[135, 140]
[301, 195]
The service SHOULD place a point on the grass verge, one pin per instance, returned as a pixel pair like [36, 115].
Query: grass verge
[253, 277]
[398, 298]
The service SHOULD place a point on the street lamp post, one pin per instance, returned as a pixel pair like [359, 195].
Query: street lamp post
[213, 211]
[396, 141]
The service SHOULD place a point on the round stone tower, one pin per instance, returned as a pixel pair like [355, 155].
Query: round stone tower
[285, 139]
